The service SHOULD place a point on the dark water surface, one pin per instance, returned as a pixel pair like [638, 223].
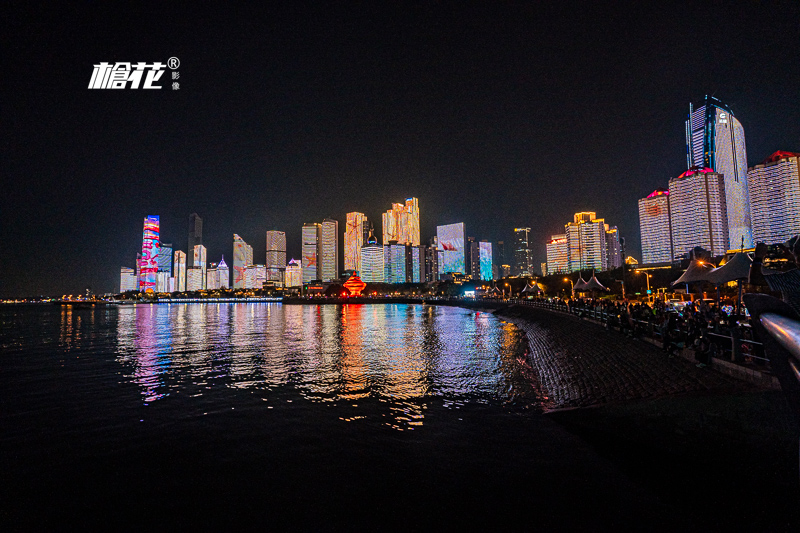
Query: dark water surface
[287, 417]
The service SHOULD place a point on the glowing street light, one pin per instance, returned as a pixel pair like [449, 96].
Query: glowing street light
[573, 286]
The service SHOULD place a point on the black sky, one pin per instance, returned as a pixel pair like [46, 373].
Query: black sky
[496, 114]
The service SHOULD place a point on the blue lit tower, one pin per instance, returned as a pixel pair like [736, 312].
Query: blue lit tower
[715, 140]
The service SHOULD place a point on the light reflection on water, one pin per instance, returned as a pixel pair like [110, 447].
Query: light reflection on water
[400, 355]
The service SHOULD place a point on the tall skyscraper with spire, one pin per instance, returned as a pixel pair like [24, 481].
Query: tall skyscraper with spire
[715, 140]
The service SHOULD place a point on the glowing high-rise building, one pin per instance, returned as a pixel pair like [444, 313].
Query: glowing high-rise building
[557, 255]
[394, 263]
[194, 278]
[294, 274]
[165, 258]
[224, 274]
[356, 234]
[276, 256]
[523, 254]
[586, 242]
[451, 249]
[329, 263]
[774, 187]
[127, 279]
[200, 260]
[180, 270]
[401, 223]
[242, 258]
[195, 236]
[715, 140]
[212, 277]
[372, 261]
[312, 248]
[149, 260]
[654, 225]
[613, 248]
[698, 214]
[485, 251]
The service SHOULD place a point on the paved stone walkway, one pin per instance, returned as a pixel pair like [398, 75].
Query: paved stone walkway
[580, 363]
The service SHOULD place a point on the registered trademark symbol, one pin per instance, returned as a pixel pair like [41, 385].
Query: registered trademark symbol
[174, 63]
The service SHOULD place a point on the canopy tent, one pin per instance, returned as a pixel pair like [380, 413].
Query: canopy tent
[594, 285]
[532, 289]
[580, 284]
[738, 267]
[697, 271]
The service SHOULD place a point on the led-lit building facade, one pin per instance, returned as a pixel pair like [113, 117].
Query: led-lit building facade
[212, 277]
[372, 261]
[330, 250]
[194, 278]
[255, 276]
[431, 263]
[698, 214]
[356, 234]
[149, 259]
[401, 223]
[312, 248]
[774, 187]
[654, 226]
[223, 273]
[715, 140]
[165, 258]
[276, 256]
[180, 270]
[586, 242]
[613, 248]
[451, 249]
[557, 255]
[242, 258]
[523, 255]
[127, 279]
[395, 264]
[195, 236]
[200, 260]
[294, 274]
[485, 252]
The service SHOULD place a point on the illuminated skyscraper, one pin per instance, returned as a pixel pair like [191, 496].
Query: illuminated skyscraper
[654, 225]
[127, 279]
[312, 251]
[774, 187]
[149, 261]
[401, 223]
[613, 248]
[372, 261]
[485, 251]
[715, 140]
[212, 277]
[165, 258]
[180, 271]
[200, 260]
[194, 278]
[276, 256]
[451, 249]
[355, 235]
[224, 274]
[523, 255]
[431, 262]
[242, 258]
[329, 265]
[394, 266]
[294, 274]
[557, 255]
[195, 236]
[698, 215]
[586, 242]
[473, 263]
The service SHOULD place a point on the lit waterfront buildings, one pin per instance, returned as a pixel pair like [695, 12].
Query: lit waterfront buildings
[523, 255]
[242, 258]
[212, 277]
[148, 264]
[485, 252]
[194, 278]
[165, 258]
[586, 242]
[715, 140]
[200, 260]
[255, 276]
[451, 250]
[432, 261]
[276, 256]
[372, 261]
[356, 233]
[195, 236]
[127, 279]
[654, 224]
[224, 274]
[613, 247]
[294, 274]
[401, 223]
[697, 210]
[395, 268]
[557, 255]
[329, 250]
[312, 244]
[774, 188]
[180, 270]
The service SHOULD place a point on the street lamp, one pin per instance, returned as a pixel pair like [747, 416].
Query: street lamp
[509, 290]
[646, 277]
[573, 286]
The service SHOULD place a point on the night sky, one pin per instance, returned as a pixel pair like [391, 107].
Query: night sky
[495, 115]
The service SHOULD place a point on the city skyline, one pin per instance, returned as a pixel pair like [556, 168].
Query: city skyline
[498, 116]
